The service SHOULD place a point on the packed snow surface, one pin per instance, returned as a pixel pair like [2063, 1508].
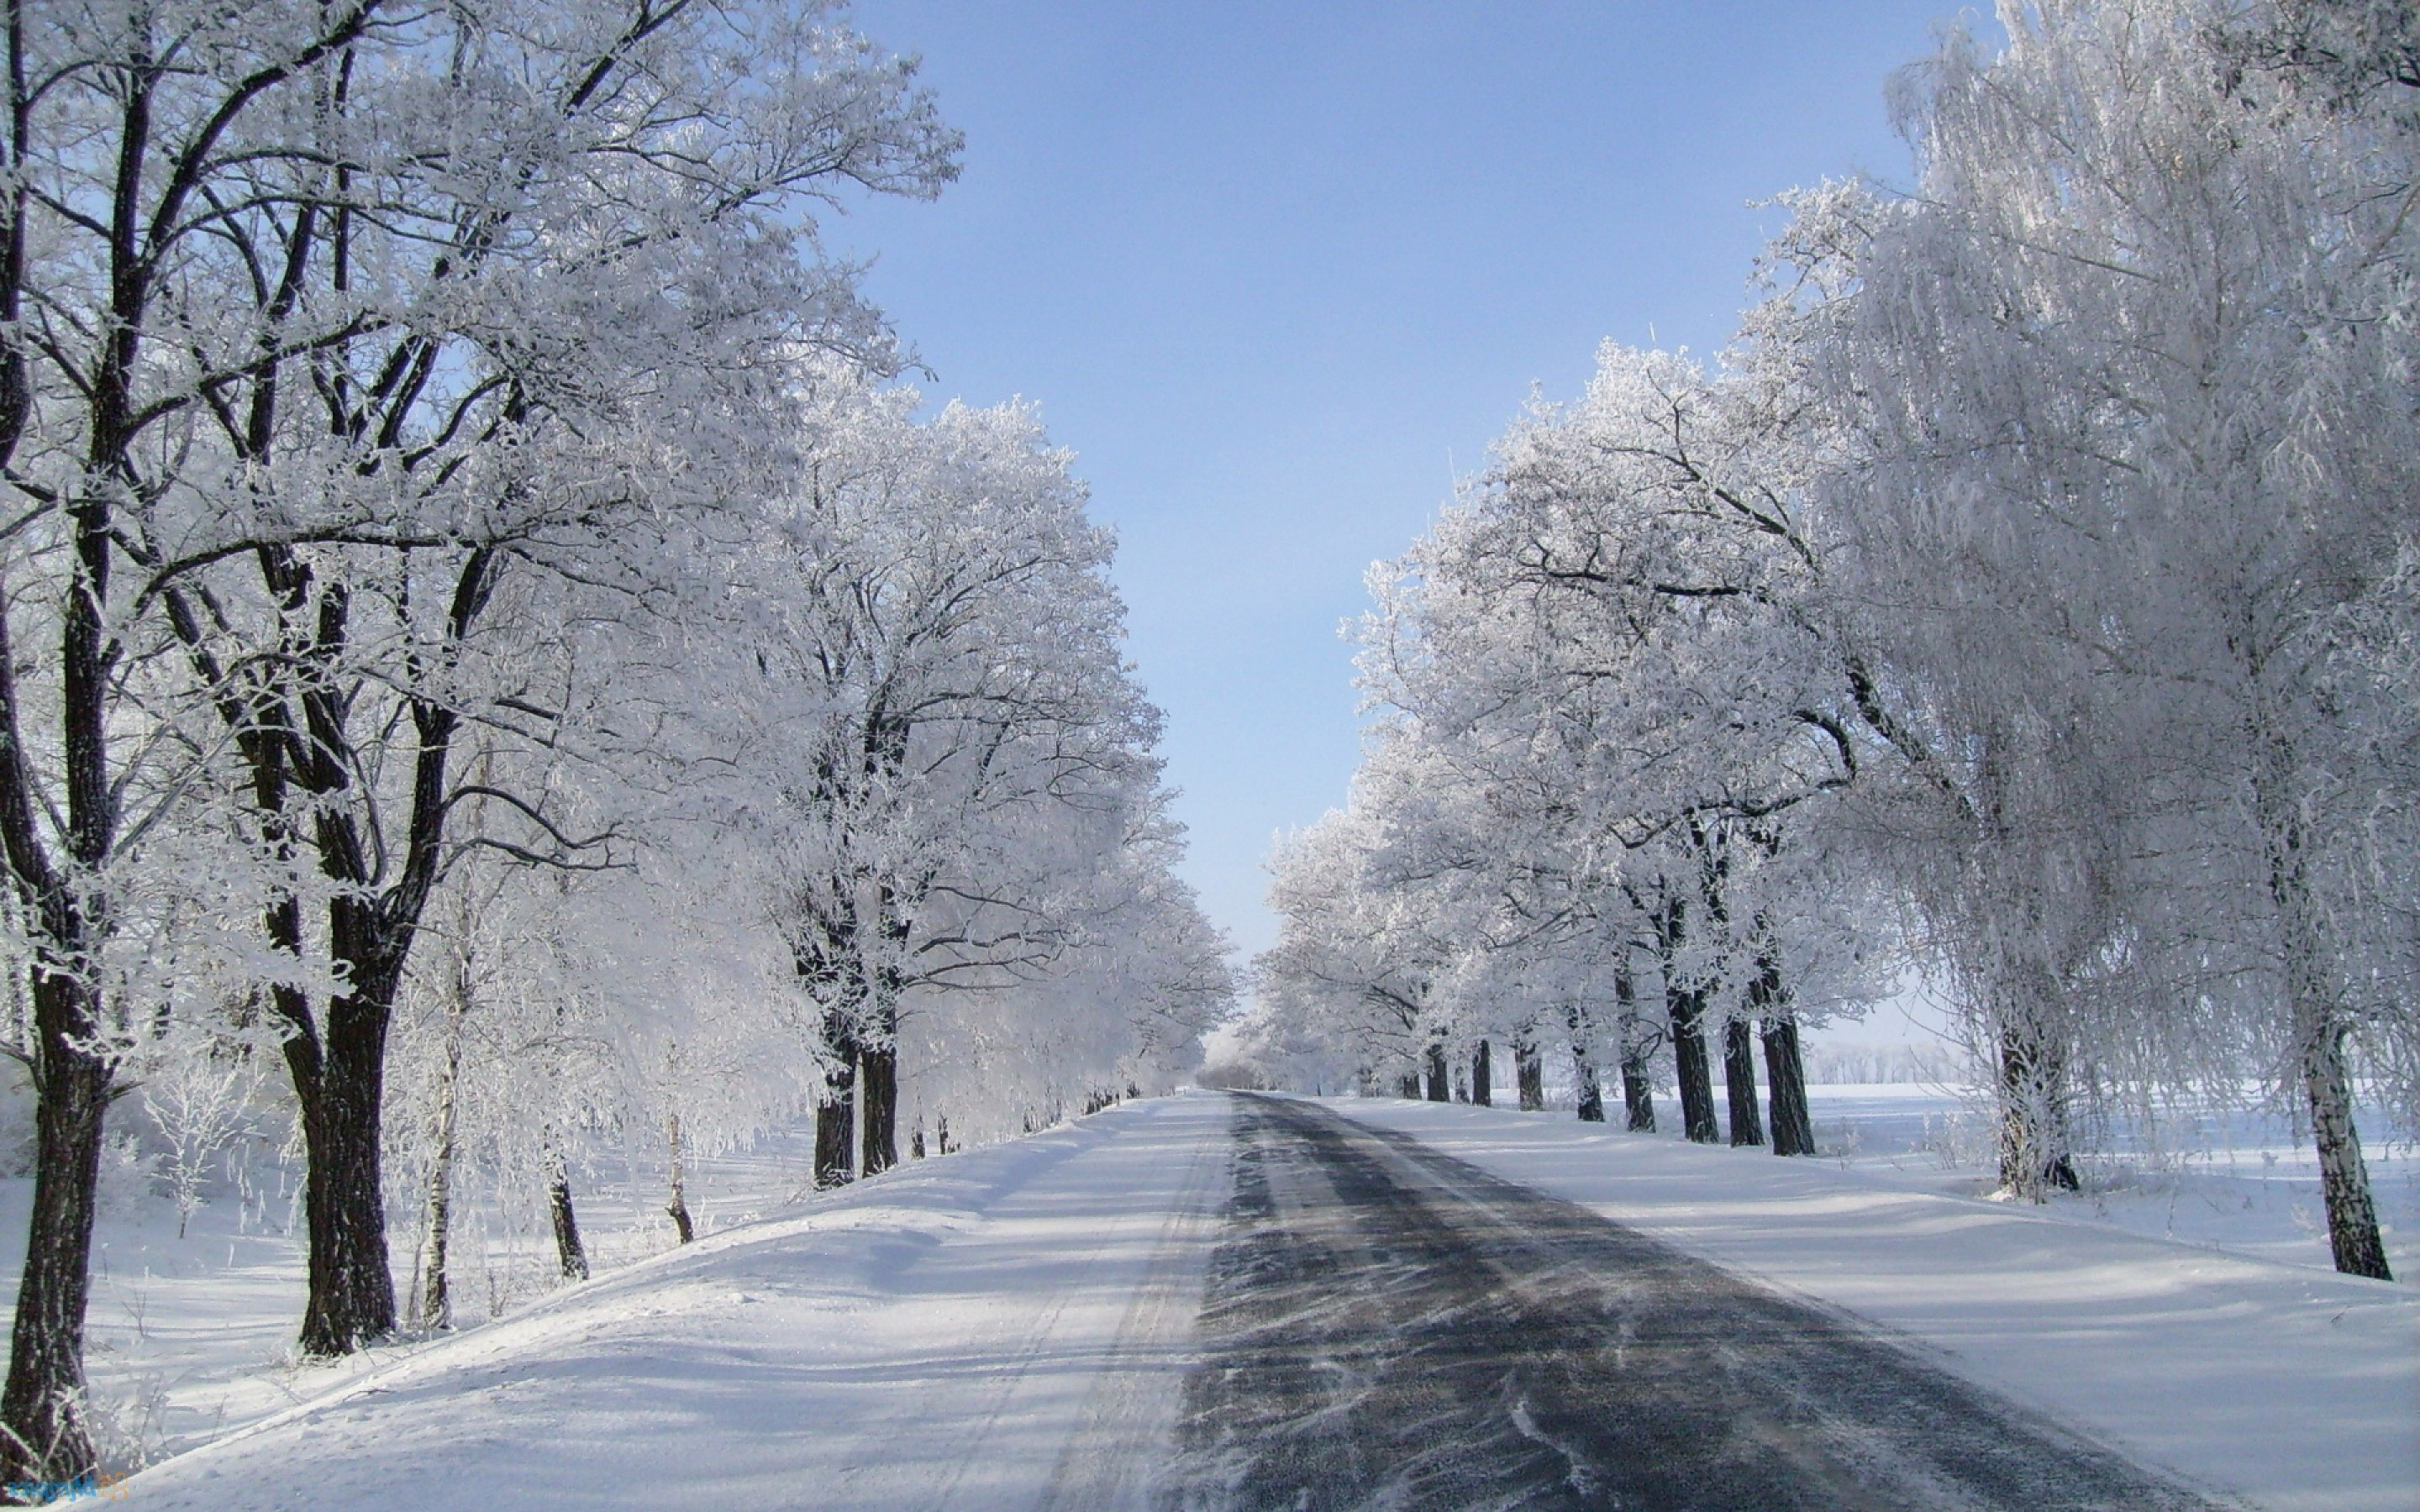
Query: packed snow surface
[1006, 1328]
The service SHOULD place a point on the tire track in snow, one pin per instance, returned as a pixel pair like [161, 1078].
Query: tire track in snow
[1116, 1441]
[1125, 1437]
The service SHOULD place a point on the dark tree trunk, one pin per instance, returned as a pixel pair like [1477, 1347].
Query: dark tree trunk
[42, 1406]
[1696, 1077]
[1637, 1096]
[42, 1433]
[1530, 1075]
[1785, 1069]
[1784, 1076]
[1482, 1077]
[370, 936]
[1685, 1007]
[2319, 1019]
[340, 1084]
[1739, 1083]
[837, 1115]
[2353, 1239]
[339, 1069]
[879, 1050]
[2034, 1151]
[1589, 1096]
[878, 1081]
[1590, 1105]
[569, 1252]
[46, 1437]
[1440, 1089]
[1411, 1087]
[1637, 1086]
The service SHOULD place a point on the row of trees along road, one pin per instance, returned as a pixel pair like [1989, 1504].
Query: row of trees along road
[469, 608]
[2026, 598]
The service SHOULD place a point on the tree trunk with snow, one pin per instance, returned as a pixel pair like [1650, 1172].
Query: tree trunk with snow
[1785, 1075]
[435, 1308]
[836, 1114]
[570, 1254]
[1739, 1083]
[878, 1084]
[340, 1080]
[1530, 1075]
[43, 1407]
[2353, 1239]
[1686, 1008]
[2035, 1153]
[879, 1045]
[676, 1207]
[1440, 1078]
[1589, 1094]
[1638, 1086]
[1482, 1077]
[1785, 1067]
[1691, 1068]
[2320, 1025]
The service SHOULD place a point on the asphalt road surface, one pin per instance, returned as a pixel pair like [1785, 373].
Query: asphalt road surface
[1383, 1326]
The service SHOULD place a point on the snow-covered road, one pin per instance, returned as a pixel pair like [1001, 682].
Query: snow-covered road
[1016, 1327]
[1389, 1327]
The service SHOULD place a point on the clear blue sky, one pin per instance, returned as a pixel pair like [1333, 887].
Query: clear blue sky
[1277, 272]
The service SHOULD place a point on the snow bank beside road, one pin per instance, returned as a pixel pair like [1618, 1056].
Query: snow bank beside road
[2295, 1387]
[934, 1338]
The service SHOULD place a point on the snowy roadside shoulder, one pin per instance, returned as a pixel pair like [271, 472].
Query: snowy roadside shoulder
[2296, 1388]
[841, 1348]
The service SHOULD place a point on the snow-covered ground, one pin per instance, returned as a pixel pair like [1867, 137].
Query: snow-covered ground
[2237, 1180]
[2181, 1310]
[2285, 1383]
[940, 1336]
[192, 1336]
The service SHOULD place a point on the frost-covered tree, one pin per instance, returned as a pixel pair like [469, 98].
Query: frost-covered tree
[944, 779]
[1613, 648]
[317, 323]
[531, 286]
[2127, 389]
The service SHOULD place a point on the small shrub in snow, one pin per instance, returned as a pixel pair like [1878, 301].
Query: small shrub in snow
[1959, 1139]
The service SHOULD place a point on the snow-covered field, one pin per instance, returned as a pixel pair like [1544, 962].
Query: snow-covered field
[2237, 1180]
[2181, 1310]
[190, 1337]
